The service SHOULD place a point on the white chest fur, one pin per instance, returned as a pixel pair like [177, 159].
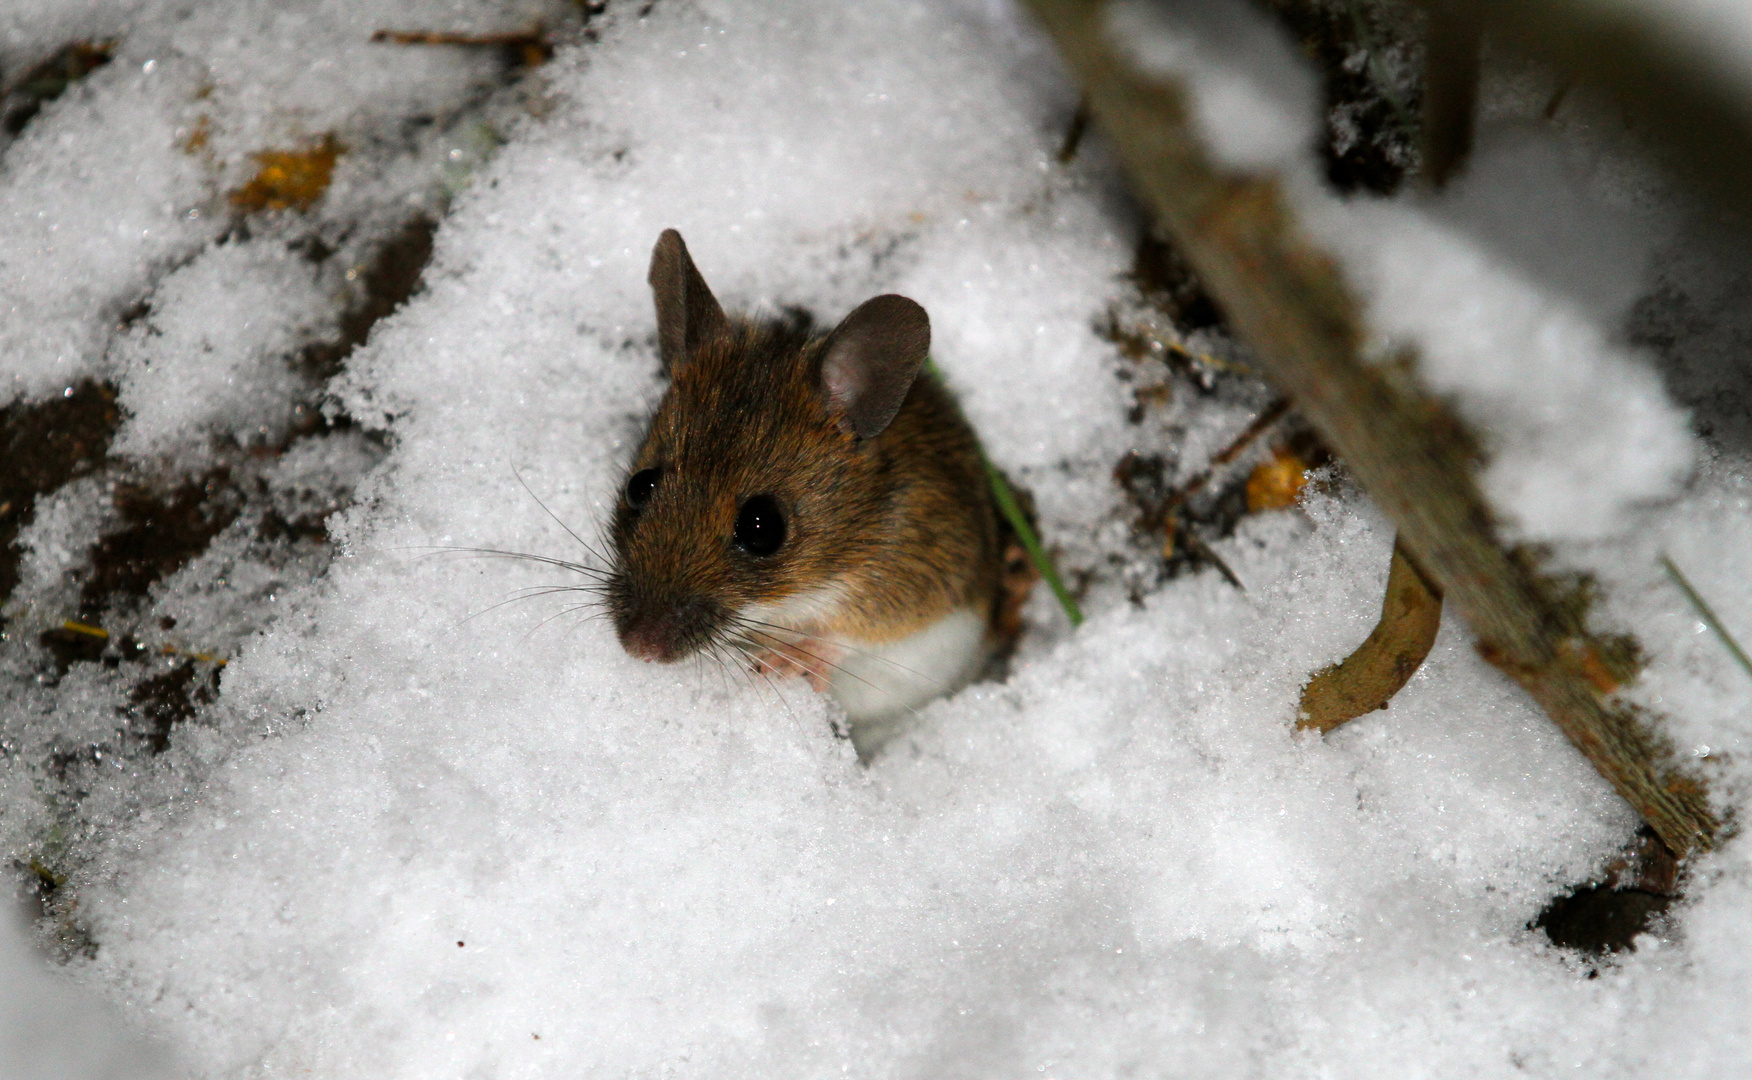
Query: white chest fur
[880, 684]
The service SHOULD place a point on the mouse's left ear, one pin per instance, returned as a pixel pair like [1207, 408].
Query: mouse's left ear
[871, 360]
[687, 312]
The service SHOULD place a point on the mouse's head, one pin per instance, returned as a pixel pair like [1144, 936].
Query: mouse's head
[757, 493]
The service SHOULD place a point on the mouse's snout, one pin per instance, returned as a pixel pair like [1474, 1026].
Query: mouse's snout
[666, 632]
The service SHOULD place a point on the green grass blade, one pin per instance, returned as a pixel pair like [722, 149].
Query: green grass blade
[1012, 511]
[1030, 543]
[1707, 614]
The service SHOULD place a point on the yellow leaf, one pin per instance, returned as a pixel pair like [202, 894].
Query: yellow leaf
[1278, 483]
[290, 179]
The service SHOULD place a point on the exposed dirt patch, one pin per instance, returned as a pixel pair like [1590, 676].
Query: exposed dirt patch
[22, 99]
[44, 445]
[387, 281]
[1607, 916]
[164, 700]
[162, 530]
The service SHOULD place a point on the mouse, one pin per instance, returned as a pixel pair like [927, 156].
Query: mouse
[811, 505]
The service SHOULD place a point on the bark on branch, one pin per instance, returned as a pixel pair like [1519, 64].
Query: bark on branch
[1286, 297]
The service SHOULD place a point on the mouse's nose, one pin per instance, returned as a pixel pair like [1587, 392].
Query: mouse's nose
[665, 633]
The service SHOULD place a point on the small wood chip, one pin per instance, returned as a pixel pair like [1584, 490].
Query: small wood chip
[290, 179]
[1278, 483]
[1367, 679]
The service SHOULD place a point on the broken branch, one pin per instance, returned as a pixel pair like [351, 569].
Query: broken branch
[1287, 299]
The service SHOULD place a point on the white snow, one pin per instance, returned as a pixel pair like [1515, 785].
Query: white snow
[52, 1031]
[65, 272]
[1253, 107]
[1578, 432]
[408, 842]
[216, 357]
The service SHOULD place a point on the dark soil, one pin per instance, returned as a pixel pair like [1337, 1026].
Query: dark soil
[43, 446]
[1370, 140]
[24, 97]
[1603, 917]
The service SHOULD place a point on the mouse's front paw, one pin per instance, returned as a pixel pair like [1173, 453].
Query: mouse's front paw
[789, 659]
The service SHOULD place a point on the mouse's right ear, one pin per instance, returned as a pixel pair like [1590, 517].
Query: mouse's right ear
[687, 312]
[871, 361]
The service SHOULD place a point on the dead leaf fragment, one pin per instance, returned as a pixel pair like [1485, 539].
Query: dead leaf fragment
[1278, 483]
[525, 48]
[290, 179]
[196, 140]
[1367, 679]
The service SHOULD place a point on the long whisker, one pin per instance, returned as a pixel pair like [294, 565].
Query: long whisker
[760, 669]
[768, 628]
[723, 668]
[550, 513]
[748, 626]
[556, 615]
[529, 594]
[601, 545]
[592, 617]
[726, 665]
[432, 551]
[755, 650]
[594, 588]
[822, 660]
[762, 666]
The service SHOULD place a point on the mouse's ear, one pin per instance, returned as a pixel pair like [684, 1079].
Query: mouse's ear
[687, 312]
[871, 360]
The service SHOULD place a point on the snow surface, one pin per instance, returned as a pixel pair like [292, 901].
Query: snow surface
[1578, 433]
[212, 355]
[1254, 107]
[50, 1030]
[408, 842]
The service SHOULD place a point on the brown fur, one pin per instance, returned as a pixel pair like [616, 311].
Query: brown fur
[903, 522]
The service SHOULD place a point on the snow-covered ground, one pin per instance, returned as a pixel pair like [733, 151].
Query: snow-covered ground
[415, 834]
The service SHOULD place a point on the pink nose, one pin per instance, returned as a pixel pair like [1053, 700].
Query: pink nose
[651, 641]
[666, 633]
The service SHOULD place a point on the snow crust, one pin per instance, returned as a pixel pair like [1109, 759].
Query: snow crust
[50, 1030]
[214, 356]
[64, 270]
[411, 842]
[198, 90]
[1254, 107]
[1579, 431]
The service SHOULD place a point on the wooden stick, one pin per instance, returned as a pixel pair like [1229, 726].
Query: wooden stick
[1286, 298]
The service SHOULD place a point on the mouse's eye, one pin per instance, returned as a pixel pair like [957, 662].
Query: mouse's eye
[760, 528]
[640, 486]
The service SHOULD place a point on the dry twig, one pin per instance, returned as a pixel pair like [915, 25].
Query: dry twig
[1287, 299]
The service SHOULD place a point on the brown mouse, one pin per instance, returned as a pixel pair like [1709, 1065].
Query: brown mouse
[815, 504]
